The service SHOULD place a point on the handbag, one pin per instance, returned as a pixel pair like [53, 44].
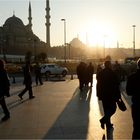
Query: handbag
[121, 105]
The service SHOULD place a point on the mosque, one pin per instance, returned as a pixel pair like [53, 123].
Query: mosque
[16, 39]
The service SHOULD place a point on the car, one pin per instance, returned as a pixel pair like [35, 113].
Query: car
[53, 69]
[12, 68]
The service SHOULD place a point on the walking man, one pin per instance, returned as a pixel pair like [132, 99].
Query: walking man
[90, 72]
[27, 81]
[81, 73]
[108, 92]
[37, 71]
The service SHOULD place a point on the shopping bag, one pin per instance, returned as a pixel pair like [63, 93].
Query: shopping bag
[121, 105]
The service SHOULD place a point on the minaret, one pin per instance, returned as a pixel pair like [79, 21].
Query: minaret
[47, 23]
[30, 16]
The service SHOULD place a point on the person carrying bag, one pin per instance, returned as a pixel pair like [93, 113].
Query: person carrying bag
[121, 105]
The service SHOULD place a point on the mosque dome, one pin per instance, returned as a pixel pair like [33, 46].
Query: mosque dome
[14, 21]
[14, 25]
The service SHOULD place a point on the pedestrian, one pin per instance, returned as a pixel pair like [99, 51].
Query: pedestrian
[27, 81]
[133, 89]
[37, 71]
[4, 90]
[99, 68]
[108, 92]
[118, 70]
[90, 72]
[81, 73]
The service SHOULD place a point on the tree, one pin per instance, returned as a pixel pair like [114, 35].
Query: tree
[42, 56]
[28, 56]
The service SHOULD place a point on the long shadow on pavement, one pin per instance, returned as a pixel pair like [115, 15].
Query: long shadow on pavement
[73, 122]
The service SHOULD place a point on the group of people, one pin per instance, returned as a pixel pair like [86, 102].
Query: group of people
[107, 86]
[5, 84]
[108, 91]
[85, 74]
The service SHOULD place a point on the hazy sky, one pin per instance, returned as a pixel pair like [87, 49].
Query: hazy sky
[93, 21]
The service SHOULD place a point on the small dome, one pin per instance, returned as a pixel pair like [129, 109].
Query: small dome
[14, 21]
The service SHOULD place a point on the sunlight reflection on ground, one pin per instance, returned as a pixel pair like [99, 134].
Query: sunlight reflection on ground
[94, 115]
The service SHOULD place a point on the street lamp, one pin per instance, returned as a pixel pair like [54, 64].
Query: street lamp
[104, 44]
[69, 51]
[133, 40]
[35, 57]
[64, 20]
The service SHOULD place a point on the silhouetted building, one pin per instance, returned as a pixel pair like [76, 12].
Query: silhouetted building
[17, 38]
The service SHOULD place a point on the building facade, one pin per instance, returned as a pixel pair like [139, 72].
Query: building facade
[18, 39]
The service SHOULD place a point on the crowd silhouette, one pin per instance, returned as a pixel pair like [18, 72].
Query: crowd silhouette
[85, 74]
[108, 79]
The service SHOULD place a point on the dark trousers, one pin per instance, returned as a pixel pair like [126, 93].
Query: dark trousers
[29, 89]
[109, 109]
[81, 83]
[91, 80]
[38, 78]
[4, 107]
[136, 122]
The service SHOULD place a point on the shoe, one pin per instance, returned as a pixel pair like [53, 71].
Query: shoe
[5, 118]
[102, 123]
[31, 97]
[20, 97]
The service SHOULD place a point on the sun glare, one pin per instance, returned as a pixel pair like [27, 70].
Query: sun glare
[99, 35]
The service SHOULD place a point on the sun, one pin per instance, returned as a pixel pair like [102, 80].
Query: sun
[100, 35]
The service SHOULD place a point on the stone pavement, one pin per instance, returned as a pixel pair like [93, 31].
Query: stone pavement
[57, 112]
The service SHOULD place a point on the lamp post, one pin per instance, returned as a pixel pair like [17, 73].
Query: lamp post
[35, 57]
[64, 20]
[104, 44]
[104, 48]
[134, 40]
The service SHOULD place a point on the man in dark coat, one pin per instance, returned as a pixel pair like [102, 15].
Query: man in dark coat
[90, 72]
[27, 81]
[81, 73]
[37, 71]
[108, 92]
[4, 90]
[133, 89]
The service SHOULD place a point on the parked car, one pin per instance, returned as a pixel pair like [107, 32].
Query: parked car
[53, 69]
[13, 68]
